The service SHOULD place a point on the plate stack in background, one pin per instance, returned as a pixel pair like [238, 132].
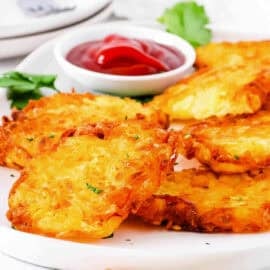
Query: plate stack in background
[21, 33]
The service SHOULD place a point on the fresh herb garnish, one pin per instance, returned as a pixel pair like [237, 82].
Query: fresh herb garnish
[94, 189]
[23, 86]
[236, 157]
[188, 20]
[136, 137]
[30, 139]
[51, 136]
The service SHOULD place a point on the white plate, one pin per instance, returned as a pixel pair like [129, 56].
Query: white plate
[22, 45]
[149, 248]
[14, 23]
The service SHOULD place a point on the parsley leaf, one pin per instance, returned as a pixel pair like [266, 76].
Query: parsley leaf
[188, 20]
[136, 137]
[24, 86]
[94, 189]
[20, 100]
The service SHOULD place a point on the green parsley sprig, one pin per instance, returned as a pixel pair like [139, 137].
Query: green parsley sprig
[24, 86]
[189, 21]
[94, 189]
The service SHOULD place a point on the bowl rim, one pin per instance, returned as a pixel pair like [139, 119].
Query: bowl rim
[186, 49]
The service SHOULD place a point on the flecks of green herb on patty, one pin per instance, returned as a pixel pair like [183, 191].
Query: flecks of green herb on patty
[94, 189]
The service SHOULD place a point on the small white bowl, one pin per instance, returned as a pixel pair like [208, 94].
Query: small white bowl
[116, 84]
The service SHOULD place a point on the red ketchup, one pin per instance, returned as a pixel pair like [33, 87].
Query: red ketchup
[119, 55]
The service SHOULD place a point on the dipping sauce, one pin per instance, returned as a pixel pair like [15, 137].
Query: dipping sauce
[119, 55]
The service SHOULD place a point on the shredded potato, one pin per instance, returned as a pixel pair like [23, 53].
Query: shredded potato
[92, 179]
[229, 145]
[201, 201]
[216, 92]
[39, 126]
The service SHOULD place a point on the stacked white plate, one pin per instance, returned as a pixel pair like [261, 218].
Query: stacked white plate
[20, 34]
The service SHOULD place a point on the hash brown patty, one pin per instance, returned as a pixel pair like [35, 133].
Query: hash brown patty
[201, 201]
[39, 125]
[93, 178]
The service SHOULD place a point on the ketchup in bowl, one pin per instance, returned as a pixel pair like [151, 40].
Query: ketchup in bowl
[119, 55]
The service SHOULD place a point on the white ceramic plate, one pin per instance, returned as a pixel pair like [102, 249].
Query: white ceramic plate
[134, 245]
[14, 23]
[10, 48]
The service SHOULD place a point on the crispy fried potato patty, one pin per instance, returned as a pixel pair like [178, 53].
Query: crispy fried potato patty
[200, 201]
[41, 123]
[216, 92]
[92, 180]
[232, 54]
[229, 145]
[73, 106]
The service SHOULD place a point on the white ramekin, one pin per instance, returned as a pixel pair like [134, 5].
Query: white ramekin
[116, 84]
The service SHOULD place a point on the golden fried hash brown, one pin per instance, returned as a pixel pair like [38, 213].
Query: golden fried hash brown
[229, 145]
[92, 180]
[201, 201]
[216, 92]
[232, 54]
[94, 107]
[41, 123]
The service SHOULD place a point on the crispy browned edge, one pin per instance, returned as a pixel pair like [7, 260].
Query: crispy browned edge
[177, 213]
[158, 119]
